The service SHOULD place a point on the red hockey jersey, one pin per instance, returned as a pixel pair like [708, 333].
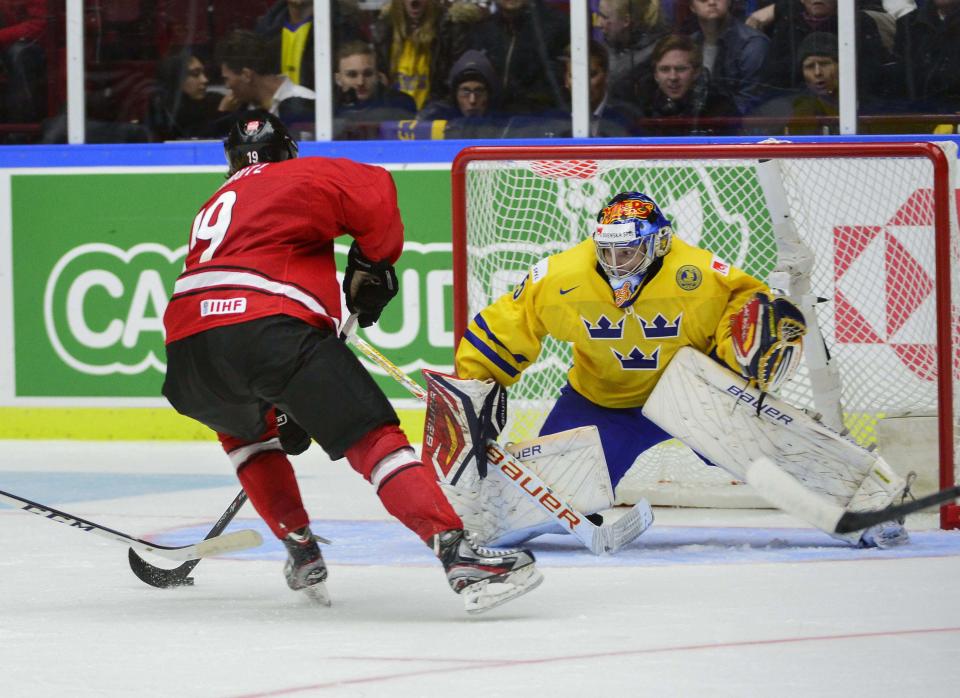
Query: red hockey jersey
[263, 243]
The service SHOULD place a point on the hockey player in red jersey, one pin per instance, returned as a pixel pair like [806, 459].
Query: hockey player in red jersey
[252, 328]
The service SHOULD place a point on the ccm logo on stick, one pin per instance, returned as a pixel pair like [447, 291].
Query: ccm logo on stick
[542, 494]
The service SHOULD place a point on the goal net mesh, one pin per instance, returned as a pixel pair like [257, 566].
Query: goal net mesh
[868, 221]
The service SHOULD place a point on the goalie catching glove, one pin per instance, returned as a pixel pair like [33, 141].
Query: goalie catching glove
[368, 286]
[767, 340]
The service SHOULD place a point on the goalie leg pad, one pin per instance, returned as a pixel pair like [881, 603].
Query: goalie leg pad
[707, 407]
[571, 463]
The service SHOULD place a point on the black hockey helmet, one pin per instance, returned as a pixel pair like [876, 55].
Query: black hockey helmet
[258, 136]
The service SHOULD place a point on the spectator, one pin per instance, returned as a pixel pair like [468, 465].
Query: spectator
[609, 117]
[181, 107]
[22, 26]
[762, 18]
[523, 40]
[797, 114]
[678, 90]
[927, 51]
[630, 29]
[363, 99]
[417, 42]
[795, 19]
[292, 22]
[733, 53]
[250, 72]
[472, 111]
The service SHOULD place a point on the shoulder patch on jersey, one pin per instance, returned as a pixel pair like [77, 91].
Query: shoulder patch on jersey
[689, 277]
[539, 270]
[718, 265]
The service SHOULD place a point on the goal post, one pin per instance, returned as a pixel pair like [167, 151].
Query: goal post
[862, 235]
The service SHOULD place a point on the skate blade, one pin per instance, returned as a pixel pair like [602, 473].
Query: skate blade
[317, 593]
[483, 596]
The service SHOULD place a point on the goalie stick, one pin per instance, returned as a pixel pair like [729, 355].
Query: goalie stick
[785, 491]
[604, 538]
[180, 576]
[216, 545]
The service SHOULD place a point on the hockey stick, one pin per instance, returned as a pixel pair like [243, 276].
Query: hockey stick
[180, 576]
[787, 493]
[605, 538]
[216, 545]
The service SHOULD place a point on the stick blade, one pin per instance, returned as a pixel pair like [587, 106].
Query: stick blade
[787, 493]
[159, 577]
[609, 538]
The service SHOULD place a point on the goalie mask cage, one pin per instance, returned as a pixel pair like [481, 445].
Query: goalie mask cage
[869, 227]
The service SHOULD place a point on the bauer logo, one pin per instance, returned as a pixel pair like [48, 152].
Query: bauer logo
[103, 307]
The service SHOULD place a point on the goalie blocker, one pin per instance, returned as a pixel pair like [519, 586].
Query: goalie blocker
[711, 410]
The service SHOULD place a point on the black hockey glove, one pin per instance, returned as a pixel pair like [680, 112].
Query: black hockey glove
[368, 286]
[293, 438]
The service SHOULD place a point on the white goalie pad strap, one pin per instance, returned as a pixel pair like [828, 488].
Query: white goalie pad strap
[570, 462]
[461, 415]
[711, 410]
[239, 456]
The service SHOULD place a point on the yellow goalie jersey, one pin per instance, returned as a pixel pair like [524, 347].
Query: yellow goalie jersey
[618, 353]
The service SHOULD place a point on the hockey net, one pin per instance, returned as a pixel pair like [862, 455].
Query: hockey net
[871, 215]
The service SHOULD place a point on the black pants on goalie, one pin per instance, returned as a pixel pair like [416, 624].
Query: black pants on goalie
[229, 377]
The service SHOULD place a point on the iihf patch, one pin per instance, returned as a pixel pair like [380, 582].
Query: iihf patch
[689, 277]
[719, 265]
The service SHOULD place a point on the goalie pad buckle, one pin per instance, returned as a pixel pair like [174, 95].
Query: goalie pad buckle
[462, 414]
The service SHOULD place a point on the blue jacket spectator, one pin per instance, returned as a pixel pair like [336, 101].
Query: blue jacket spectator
[734, 54]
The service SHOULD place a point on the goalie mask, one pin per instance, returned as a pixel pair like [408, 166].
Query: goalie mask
[630, 234]
[258, 136]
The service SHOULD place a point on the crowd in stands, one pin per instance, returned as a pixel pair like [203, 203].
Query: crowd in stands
[485, 68]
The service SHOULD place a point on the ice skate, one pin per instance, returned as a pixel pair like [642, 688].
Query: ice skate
[485, 577]
[305, 569]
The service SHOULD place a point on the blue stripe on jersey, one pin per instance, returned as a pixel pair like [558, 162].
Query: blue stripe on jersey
[491, 355]
[482, 324]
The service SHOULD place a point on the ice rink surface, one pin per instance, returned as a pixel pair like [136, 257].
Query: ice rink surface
[706, 603]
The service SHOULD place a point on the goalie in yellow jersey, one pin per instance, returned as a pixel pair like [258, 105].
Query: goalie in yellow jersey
[628, 299]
